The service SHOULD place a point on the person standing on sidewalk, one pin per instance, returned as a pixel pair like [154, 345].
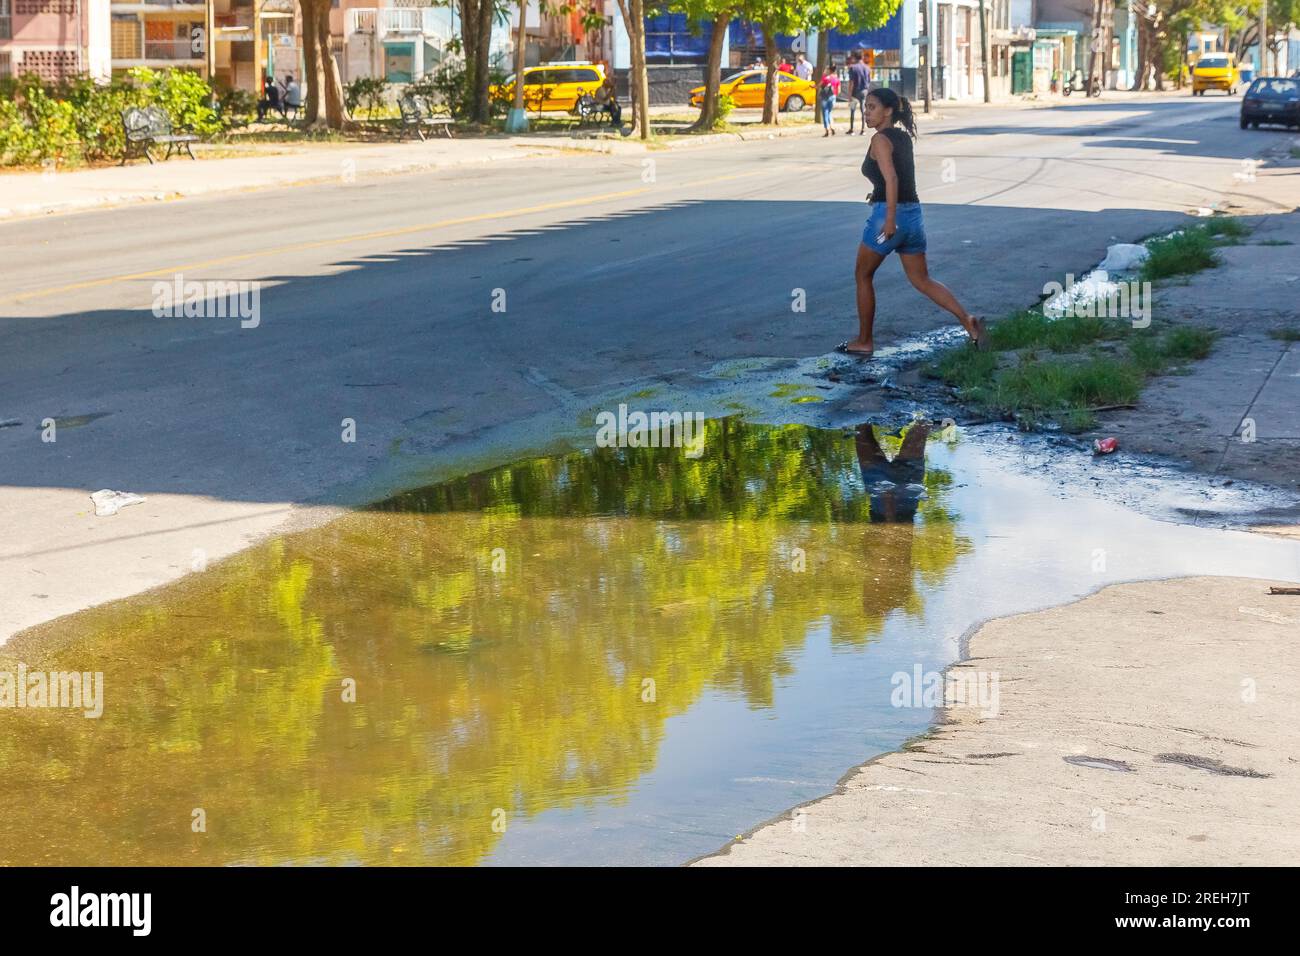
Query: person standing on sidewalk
[828, 92]
[802, 68]
[895, 223]
[859, 86]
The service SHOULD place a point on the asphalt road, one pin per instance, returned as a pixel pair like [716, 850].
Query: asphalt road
[377, 297]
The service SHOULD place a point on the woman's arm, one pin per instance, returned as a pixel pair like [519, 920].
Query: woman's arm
[882, 151]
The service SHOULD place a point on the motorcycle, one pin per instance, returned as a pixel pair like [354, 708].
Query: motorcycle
[1078, 84]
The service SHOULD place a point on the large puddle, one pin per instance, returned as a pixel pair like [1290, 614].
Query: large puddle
[614, 656]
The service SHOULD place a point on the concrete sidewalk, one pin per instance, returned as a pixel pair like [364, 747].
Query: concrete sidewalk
[274, 165]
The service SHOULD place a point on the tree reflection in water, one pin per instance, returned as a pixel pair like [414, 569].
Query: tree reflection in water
[500, 629]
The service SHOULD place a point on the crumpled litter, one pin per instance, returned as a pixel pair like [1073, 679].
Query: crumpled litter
[1124, 257]
[109, 502]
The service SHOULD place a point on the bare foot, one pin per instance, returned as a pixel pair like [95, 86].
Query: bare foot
[977, 331]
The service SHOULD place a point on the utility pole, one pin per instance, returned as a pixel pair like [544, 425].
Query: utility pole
[1095, 78]
[1263, 39]
[209, 26]
[984, 48]
[259, 64]
[923, 73]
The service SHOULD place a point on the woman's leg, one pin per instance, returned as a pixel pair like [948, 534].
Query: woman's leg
[938, 293]
[865, 269]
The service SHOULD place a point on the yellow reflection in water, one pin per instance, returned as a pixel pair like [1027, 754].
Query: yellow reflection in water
[500, 630]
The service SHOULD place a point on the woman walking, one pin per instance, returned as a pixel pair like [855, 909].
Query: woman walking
[827, 92]
[895, 223]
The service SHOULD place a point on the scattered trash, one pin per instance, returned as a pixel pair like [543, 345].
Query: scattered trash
[109, 502]
[1105, 446]
[1204, 211]
[1124, 257]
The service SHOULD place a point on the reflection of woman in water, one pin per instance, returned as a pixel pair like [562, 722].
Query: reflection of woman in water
[897, 486]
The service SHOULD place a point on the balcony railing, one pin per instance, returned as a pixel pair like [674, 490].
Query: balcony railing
[408, 20]
[170, 50]
[396, 20]
[362, 20]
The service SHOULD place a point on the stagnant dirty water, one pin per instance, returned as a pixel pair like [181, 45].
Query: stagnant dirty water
[613, 656]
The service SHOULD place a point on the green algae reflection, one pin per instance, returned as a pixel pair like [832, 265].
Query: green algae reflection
[500, 630]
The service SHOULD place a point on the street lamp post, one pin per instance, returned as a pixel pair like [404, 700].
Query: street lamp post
[984, 49]
[924, 46]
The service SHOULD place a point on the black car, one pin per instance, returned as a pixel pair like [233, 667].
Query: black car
[1272, 99]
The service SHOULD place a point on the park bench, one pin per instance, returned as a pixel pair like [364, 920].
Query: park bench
[418, 115]
[149, 126]
[589, 111]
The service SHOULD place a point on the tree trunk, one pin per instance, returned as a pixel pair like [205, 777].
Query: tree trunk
[311, 106]
[483, 64]
[771, 102]
[713, 73]
[336, 114]
[823, 55]
[1142, 75]
[476, 43]
[633, 12]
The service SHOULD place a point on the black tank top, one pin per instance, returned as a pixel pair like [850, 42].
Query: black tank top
[904, 166]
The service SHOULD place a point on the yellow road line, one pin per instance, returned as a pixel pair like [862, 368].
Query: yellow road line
[367, 236]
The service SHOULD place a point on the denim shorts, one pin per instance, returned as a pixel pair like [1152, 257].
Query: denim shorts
[908, 238]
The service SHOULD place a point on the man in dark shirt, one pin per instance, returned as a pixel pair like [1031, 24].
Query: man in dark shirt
[859, 85]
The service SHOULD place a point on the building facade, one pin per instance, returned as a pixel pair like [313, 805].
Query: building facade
[54, 39]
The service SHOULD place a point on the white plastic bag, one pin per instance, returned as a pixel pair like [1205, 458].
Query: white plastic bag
[1124, 257]
[109, 502]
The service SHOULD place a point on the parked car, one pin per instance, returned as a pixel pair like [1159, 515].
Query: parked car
[553, 86]
[749, 87]
[1272, 99]
[1215, 71]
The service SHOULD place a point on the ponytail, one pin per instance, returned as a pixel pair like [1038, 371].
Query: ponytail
[904, 116]
[898, 106]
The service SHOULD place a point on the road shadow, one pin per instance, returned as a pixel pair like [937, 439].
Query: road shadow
[429, 345]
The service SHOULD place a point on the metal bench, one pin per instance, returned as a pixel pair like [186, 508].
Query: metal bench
[148, 126]
[418, 115]
[590, 111]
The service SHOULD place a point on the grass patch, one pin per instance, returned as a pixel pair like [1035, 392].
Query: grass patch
[1180, 254]
[1225, 227]
[1285, 335]
[1032, 329]
[1039, 370]
[1192, 249]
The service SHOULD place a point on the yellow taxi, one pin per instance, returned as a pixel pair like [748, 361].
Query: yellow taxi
[552, 86]
[749, 88]
[1215, 71]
